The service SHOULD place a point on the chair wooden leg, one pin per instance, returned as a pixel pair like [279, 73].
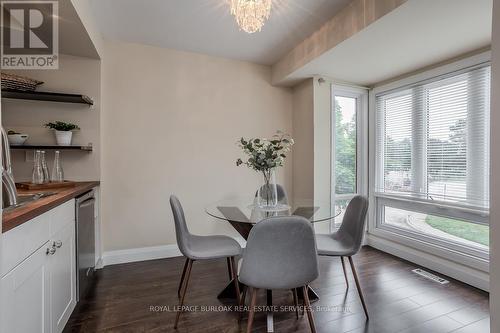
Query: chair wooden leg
[345, 272]
[251, 313]
[182, 278]
[308, 310]
[235, 279]
[181, 302]
[304, 304]
[229, 269]
[296, 302]
[358, 286]
[243, 297]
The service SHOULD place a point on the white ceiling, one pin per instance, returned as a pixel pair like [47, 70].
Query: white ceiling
[205, 26]
[417, 34]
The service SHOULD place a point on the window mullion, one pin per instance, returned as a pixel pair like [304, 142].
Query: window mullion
[476, 138]
[418, 149]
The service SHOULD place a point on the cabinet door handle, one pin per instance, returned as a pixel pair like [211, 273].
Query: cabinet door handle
[57, 244]
[50, 250]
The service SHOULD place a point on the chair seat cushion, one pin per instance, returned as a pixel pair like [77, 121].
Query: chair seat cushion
[212, 247]
[335, 245]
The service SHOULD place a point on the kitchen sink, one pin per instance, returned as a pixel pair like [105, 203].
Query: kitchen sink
[23, 199]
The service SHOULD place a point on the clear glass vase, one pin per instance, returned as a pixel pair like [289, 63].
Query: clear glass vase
[57, 170]
[267, 195]
[37, 174]
[45, 169]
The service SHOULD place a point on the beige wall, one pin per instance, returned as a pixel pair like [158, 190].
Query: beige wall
[75, 75]
[170, 125]
[495, 177]
[312, 152]
[322, 146]
[303, 133]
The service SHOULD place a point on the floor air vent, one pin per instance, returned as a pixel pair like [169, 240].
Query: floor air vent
[430, 276]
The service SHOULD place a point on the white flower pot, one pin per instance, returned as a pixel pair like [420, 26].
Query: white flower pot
[63, 138]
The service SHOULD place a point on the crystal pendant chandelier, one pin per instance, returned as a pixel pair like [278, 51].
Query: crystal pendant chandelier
[251, 14]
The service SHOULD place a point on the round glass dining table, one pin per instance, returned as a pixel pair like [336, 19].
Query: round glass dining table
[243, 214]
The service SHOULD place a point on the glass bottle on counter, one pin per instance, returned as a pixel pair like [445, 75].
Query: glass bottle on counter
[37, 175]
[57, 170]
[45, 169]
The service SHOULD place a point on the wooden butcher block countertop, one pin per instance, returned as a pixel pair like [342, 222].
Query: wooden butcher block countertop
[12, 218]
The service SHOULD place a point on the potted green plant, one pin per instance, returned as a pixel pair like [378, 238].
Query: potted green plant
[63, 132]
[265, 156]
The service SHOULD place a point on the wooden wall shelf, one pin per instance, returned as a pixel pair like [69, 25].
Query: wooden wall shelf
[87, 148]
[47, 96]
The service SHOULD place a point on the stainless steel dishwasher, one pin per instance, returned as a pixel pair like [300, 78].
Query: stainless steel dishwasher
[85, 242]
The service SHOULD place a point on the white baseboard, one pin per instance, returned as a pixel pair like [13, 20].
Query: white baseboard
[459, 272]
[473, 277]
[145, 253]
[140, 254]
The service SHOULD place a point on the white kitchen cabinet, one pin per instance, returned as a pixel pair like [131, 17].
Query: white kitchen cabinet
[62, 270]
[25, 296]
[23, 240]
[39, 290]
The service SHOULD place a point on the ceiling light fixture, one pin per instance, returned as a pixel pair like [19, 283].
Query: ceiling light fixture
[251, 14]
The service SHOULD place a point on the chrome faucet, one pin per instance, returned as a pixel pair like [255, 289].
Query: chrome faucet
[9, 191]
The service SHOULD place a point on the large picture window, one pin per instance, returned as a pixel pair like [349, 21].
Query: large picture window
[432, 159]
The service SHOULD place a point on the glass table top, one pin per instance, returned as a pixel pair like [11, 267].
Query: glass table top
[243, 210]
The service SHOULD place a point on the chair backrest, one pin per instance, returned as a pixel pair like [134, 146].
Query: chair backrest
[280, 254]
[282, 196]
[353, 223]
[181, 230]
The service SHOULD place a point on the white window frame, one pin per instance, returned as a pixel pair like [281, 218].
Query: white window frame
[469, 256]
[361, 96]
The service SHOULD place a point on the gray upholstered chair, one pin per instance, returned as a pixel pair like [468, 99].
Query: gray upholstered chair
[198, 248]
[280, 254]
[282, 196]
[346, 242]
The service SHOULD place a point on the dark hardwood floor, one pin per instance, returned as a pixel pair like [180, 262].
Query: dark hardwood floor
[141, 297]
